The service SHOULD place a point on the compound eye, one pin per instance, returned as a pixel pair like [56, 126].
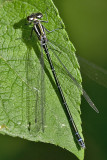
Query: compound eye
[30, 18]
[39, 15]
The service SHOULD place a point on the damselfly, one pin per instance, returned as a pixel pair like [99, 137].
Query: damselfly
[39, 29]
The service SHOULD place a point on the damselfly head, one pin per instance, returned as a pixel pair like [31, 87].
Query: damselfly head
[39, 15]
[34, 16]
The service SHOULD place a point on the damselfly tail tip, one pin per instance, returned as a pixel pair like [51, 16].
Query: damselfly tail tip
[83, 145]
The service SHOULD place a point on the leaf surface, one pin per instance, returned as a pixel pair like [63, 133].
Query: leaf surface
[31, 108]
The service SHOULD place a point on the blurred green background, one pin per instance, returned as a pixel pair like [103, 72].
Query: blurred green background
[86, 24]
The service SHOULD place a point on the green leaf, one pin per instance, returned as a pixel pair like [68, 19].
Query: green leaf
[22, 99]
[2, 1]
